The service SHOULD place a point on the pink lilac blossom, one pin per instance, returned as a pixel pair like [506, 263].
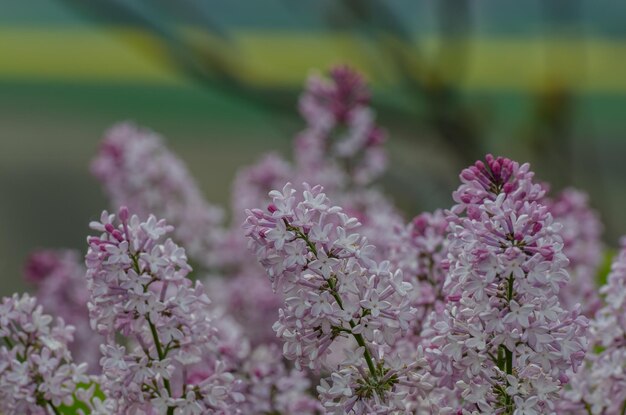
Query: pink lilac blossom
[581, 232]
[486, 180]
[59, 279]
[377, 215]
[421, 254]
[250, 301]
[600, 387]
[139, 291]
[37, 373]
[263, 377]
[253, 183]
[138, 171]
[341, 149]
[505, 343]
[341, 134]
[334, 290]
[272, 388]
[331, 108]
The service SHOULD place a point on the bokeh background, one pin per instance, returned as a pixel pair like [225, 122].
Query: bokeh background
[538, 81]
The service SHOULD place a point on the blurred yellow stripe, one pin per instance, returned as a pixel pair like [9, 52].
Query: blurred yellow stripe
[269, 58]
[85, 55]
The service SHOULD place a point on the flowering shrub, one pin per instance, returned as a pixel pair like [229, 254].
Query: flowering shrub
[327, 300]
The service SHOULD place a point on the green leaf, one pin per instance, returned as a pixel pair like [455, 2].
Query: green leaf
[80, 405]
[605, 267]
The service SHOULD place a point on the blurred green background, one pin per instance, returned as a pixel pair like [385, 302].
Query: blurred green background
[539, 81]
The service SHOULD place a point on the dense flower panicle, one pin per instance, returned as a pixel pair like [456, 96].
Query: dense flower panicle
[496, 175]
[335, 291]
[331, 101]
[475, 310]
[378, 218]
[139, 172]
[341, 149]
[421, 254]
[272, 388]
[263, 381]
[61, 288]
[139, 291]
[249, 190]
[342, 142]
[582, 244]
[250, 301]
[253, 183]
[331, 152]
[37, 373]
[505, 343]
[600, 387]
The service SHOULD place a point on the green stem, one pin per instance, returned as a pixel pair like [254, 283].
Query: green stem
[54, 408]
[623, 408]
[509, 295]
[159, 348]
[8, 342]
[155, 337]
[501, 362]
[302, 236]
[331, 284]
[508, 354]
[366, 354]
[358, 337]
[509, 361]
[509, 371]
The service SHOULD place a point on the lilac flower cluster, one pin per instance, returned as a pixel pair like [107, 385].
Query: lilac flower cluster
[505, 343]
[340, 129]
[336, 110]
[600, 387]
[341, 148]
[461, 311]
[581, 231]
[335, 293]
[139, 291]
[272, 388]
[37, 373]
[61, 288]
[139, 172]
[421, 253]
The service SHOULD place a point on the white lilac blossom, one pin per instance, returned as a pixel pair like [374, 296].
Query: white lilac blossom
[581, 232]
[139, 172]
[505, 343]
[140, 292]
[599, 388]
[61, 288]
[334, 291]
[37, 373]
